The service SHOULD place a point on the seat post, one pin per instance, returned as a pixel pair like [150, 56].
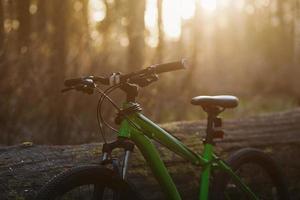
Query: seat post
[209, 128]
[212, 113]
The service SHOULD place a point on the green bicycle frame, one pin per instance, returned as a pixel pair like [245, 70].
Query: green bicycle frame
[131, 127]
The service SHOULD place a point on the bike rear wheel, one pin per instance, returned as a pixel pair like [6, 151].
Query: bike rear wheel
[258, 171]
[87, 182]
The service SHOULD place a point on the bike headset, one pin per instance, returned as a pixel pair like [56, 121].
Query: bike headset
[141, 78]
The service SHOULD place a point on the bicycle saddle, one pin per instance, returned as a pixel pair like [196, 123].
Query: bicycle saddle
[225, 101]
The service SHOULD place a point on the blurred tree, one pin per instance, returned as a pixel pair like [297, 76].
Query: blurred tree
[78, 42]
[24, 25]
[297, 34]
[1, 31]
[296, 60]
[196, 31]
[252, 44]
[104, 27]
[85, 14]
[2, 119]
[41, 26]
[23, 46]
[135, 32]
[161, 36]
[60, 14]
[197, 23]
[59, 20]
[42, 17]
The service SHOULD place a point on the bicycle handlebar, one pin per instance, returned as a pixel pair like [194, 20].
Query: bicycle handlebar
[72, 82]
[154, 69]
[172, 66]
[75, 81]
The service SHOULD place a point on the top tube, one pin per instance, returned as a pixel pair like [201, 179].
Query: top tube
[153, 131]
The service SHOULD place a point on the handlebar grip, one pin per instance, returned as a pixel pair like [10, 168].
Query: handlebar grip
[161, 68]
[76, 81]
[72, 82]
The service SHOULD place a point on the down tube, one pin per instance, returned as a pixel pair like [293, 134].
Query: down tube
[156, 164]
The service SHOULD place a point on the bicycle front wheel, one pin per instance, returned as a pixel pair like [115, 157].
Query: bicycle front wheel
[258, 171]
[87, 183]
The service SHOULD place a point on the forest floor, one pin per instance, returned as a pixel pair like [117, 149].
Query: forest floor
[25, 168]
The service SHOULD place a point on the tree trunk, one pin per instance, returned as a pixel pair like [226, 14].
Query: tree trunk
[60, 20]
[85, 13]
[1, 31]
[24, 40]
[197, 23]
[297, 50]
[24, 28]
[42, 17]
[105, 29]
[23, 169]
[59, 16]
[161, 34]
[135, 32]
[2, 65]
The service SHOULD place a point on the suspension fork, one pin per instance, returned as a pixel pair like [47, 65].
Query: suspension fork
[123, 143]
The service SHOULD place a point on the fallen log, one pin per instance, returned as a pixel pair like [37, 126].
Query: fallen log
[25, 168]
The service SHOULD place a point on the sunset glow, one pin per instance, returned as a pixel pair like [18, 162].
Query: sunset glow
[98, 10]
[174, 14]
[209, 5]
[172, 18]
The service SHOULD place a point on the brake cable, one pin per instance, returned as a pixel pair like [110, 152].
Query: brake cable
[100, 102]
[100, 120]
[104, 94]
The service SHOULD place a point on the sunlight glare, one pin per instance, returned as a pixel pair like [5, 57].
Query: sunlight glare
[151, 23]
[98, 10]
[262, 3]
[171, 18]
[173, 12]
[239, 5]
[187, 9]
[151, 13]
[209, 5]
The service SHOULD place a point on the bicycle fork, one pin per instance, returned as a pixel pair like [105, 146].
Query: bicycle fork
[124, 143]
[125, 164]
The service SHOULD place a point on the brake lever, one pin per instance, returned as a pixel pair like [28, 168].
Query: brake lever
[145, 81]
[88, 81]
[86, 88]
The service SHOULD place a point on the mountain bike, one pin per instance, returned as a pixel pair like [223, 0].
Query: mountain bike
[247, 174]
